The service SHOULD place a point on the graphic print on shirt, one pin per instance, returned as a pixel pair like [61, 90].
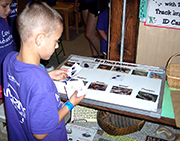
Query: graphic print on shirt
[58, 99]
[14, 98]
[13, 12]
[6, 39]
[13, 79]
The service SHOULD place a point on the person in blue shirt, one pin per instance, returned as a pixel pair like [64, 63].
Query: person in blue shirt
[12, 17]
[33, 106]
[6, 38]
[102, 27]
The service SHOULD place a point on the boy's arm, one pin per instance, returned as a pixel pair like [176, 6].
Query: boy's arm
[74, 100]
[62, 112]
[58, 74]
[102, 34]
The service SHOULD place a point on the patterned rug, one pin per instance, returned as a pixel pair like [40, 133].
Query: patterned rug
[121, 138]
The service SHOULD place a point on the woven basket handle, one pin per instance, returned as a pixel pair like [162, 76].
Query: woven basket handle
[170, 59]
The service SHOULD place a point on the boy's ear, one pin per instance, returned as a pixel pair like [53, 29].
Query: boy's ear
[39, 39]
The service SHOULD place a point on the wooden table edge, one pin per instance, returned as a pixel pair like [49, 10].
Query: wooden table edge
[162, 120]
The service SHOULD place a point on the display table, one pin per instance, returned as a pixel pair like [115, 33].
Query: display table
[143, 83]
[167, 115]
[65, 8]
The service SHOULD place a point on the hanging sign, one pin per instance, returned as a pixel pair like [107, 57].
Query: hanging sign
[143, 9]
[164, 13]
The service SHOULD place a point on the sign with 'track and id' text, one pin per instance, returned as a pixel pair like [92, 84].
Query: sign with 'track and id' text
[164, 13]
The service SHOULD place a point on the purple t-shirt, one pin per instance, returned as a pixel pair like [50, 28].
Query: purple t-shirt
[6, 42]
[13, 14]
[32, 102]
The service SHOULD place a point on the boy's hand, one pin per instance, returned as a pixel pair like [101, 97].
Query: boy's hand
[59, 74]
[75, 100]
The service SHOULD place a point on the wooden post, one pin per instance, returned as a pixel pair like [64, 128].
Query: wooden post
[131, 30]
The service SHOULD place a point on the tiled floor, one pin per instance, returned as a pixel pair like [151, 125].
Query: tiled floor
[79, 46]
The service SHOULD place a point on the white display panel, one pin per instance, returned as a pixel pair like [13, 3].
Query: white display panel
[125, 84]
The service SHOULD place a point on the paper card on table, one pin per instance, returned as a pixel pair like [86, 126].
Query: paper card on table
[176, 106]
[75, 69]
[72, 86]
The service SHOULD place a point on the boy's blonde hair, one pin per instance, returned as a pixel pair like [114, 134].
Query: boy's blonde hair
[38, 17]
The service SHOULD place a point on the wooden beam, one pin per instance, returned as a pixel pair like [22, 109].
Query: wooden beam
[131, 30]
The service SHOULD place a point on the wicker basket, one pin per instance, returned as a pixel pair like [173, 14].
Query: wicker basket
[173, 73]
[114, 124]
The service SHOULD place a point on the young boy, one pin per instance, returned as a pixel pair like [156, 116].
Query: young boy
[33, 107]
